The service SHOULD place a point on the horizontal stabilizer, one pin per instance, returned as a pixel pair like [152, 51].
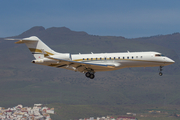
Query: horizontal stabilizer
[23, 40]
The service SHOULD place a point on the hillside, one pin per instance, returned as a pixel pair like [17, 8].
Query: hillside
[170, 41]
[27, 83]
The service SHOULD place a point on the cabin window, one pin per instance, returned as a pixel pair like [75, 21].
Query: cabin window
[110, 58]
[127, 57]
[136, 56]
[114, 57]
[158, 55]
[87, 58]
[96, 58]
[100, 58]
[118, 57]
[83, 58]
[123, 57]
[132, 57]
[105, 58]
[91, 58]
[141, 56]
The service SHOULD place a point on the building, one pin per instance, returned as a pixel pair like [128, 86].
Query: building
[26, 113]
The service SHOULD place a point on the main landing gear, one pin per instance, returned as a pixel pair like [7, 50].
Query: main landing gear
[90, 75]
[160, 70]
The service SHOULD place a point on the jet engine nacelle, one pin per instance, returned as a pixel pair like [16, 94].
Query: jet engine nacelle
[65, 56]
[45, 60]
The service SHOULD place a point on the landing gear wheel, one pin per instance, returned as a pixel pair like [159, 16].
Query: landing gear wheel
[160, 70]
[160, 73]
[91, 76]
[88, 74]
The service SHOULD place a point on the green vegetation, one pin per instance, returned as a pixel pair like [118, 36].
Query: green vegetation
[76, 98]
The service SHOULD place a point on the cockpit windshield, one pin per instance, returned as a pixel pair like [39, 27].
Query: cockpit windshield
[159, 55]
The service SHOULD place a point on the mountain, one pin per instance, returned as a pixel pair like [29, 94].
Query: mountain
[27, 83]
[170, 41]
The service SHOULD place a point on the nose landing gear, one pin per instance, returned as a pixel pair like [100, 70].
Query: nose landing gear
[160, 70]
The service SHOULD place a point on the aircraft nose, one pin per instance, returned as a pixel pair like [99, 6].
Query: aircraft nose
[170, 61]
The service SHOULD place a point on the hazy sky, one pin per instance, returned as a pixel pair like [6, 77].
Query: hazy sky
[128, 18]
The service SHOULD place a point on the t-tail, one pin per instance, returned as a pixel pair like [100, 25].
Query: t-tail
[36, 46]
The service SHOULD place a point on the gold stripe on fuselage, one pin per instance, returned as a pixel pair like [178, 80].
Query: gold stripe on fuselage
[33, 50]
[97, 59]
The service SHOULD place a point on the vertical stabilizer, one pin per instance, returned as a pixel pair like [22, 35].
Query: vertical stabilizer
[36, 46]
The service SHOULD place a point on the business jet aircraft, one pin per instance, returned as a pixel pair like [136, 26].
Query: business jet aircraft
[91, 63]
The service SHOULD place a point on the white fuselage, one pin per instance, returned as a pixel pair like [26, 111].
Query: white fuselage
[124, 60]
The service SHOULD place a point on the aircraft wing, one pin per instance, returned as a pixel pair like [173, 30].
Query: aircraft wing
[84, 66]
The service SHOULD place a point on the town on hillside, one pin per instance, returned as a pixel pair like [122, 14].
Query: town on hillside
[26, 113]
